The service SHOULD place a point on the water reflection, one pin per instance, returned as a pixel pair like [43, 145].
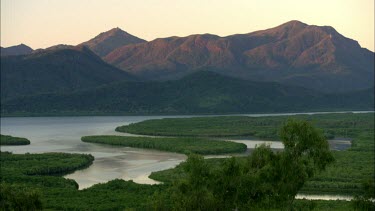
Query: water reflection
[63, 134]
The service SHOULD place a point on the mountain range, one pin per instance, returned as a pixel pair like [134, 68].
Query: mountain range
[293, 59]
[61, 70]
[293, 53]
[21, 49]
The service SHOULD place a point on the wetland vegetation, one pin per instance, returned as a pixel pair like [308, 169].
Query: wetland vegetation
[34, 180]
[187, 145]
[10, 140]
[352, 169]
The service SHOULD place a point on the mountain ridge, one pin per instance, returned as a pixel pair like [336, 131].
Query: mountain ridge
[275, 54]
[108, 41]
[55, 70]
[15, 50]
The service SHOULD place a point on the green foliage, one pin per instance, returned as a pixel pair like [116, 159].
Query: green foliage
[339, 125]
[266, 180]
[29, 181]
[346, 175]
[10, 140]
[60, 71]
[302, 141]
[181, 145]
[19, 198]
[222, 183]
[363, 203]
[193, 193]
[202, 93]
[27, 168]
[114, 195]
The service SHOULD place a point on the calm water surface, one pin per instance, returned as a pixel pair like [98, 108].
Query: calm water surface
[63, 134]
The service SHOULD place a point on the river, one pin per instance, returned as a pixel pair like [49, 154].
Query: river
[62, 134]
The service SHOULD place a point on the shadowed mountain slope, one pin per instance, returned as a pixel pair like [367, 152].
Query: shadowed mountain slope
[21, 49]
[199, 93]
[55, 71]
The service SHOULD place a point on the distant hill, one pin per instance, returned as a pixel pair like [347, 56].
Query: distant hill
[203, 92]
[315, 57]
[54, 47]
[108, 41]
[54, 71]
[21, 49]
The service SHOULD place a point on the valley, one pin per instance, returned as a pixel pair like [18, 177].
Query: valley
[275, 119]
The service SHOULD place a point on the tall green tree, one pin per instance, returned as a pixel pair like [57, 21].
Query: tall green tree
[267, 180]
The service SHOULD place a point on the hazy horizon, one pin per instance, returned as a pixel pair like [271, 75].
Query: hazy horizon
[43, 23]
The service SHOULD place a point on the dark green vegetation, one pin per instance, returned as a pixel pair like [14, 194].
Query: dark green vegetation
[28, 181]
[32, 180]
[264, 180]
[340, 125]
[10, 140]
[203, 92]
[55, 71]
[19, 198]
[351, 170]
[181, 145]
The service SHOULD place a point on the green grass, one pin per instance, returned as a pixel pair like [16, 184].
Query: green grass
[181, 145]
[10, 140]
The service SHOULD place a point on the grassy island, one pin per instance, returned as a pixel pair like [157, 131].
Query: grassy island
[10, 140]
[341, 125]
[34, 182]
[185, 145]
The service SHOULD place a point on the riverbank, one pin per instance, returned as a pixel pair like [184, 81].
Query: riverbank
[66, 133]
[353, 166]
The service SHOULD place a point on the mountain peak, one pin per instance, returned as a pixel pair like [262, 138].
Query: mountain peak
[311, 56]
[20, 49]
[114, 31]
[106, 42]
[294, 23]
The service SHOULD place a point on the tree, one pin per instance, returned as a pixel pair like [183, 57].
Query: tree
[18, 198]
[265, 180]
[192, 193]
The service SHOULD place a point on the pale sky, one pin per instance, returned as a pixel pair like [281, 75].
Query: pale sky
[43, 23]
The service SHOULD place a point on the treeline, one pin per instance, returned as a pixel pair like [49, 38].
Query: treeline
[333, 125]
[10, 140]
[202, 146]
[347, 175]
[265, 180]
[202, 93]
